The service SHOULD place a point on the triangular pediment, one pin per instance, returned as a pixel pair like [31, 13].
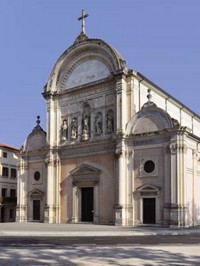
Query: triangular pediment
[35, 192]
[148, 188]
[85, 169]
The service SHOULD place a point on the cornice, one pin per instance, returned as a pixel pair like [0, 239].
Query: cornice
[25, 154]
[55, 94]
[50, 94]
[87, 86]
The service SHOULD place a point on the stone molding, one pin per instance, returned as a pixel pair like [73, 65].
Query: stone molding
[52, 162]
[174, 148]
[65, 75]
[22, 165]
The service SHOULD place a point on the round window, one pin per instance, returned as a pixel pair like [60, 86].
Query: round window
[149, 166]
[37, 176]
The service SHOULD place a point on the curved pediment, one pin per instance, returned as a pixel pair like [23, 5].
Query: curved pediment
[36, 140]
[82, 63]
[151, 119]
[86, 72]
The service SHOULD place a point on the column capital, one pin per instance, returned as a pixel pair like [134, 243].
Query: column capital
[174, 148]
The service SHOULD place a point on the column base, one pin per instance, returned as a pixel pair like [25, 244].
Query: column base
[21, 213]
[123, 215]
[51, 214]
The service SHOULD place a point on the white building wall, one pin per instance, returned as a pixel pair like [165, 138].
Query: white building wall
[196, 126]
[186, 119]
[197, 198]
[189, 198]
[8, 183]
[189, 187]
[143, 94]
[158, 100]
[163, 100]
[173, 110]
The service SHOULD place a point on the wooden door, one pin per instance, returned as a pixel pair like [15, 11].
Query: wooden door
[36, 210]
[87, 204]
[149, 210]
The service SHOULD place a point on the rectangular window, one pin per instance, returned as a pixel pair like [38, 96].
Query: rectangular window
[13, 193]
[5, 171]
[3, 192]
[5, 155]
[13, 172]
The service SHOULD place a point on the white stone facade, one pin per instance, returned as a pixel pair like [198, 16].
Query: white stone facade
[8, 182]
[118, 149]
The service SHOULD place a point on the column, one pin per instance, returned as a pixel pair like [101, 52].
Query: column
[75, 204]
[96, 203]
[57, 165]
[129, 187]
[92, 119]
[120, 211]
[21, 210]
[51, 122]
[79, 126]
[177, 208]
[50, 196]
[174, 186]
[167, 186]
[121, 105]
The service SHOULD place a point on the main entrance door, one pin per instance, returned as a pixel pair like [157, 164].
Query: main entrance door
[149, 210]
[36, 210]
[87, 204]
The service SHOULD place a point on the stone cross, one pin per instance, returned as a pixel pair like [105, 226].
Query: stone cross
[83, 20]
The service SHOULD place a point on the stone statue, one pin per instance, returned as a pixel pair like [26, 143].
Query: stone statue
[74, 128]
[86, 123]
[110, 126]
[98, 123]
[86, 127]
[64, 130]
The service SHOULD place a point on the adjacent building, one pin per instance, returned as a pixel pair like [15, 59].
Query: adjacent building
[117, 148]
[8, 182]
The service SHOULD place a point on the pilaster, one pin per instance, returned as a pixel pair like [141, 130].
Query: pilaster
[121, 104]
[123, 203]
[52, 207]
[21, 210]
[177, 205]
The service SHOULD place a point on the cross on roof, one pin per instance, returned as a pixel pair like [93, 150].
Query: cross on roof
[84, 15]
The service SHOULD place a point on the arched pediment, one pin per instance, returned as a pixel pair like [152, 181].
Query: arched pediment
[85, 62]
[36, 140]
[150, 119]
[86, 72]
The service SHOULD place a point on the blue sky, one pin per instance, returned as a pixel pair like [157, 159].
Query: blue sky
[158, 38]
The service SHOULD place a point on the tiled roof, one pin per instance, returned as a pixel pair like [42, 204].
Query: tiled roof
[8, 147]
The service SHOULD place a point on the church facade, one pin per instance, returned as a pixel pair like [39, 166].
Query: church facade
[117, 148]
